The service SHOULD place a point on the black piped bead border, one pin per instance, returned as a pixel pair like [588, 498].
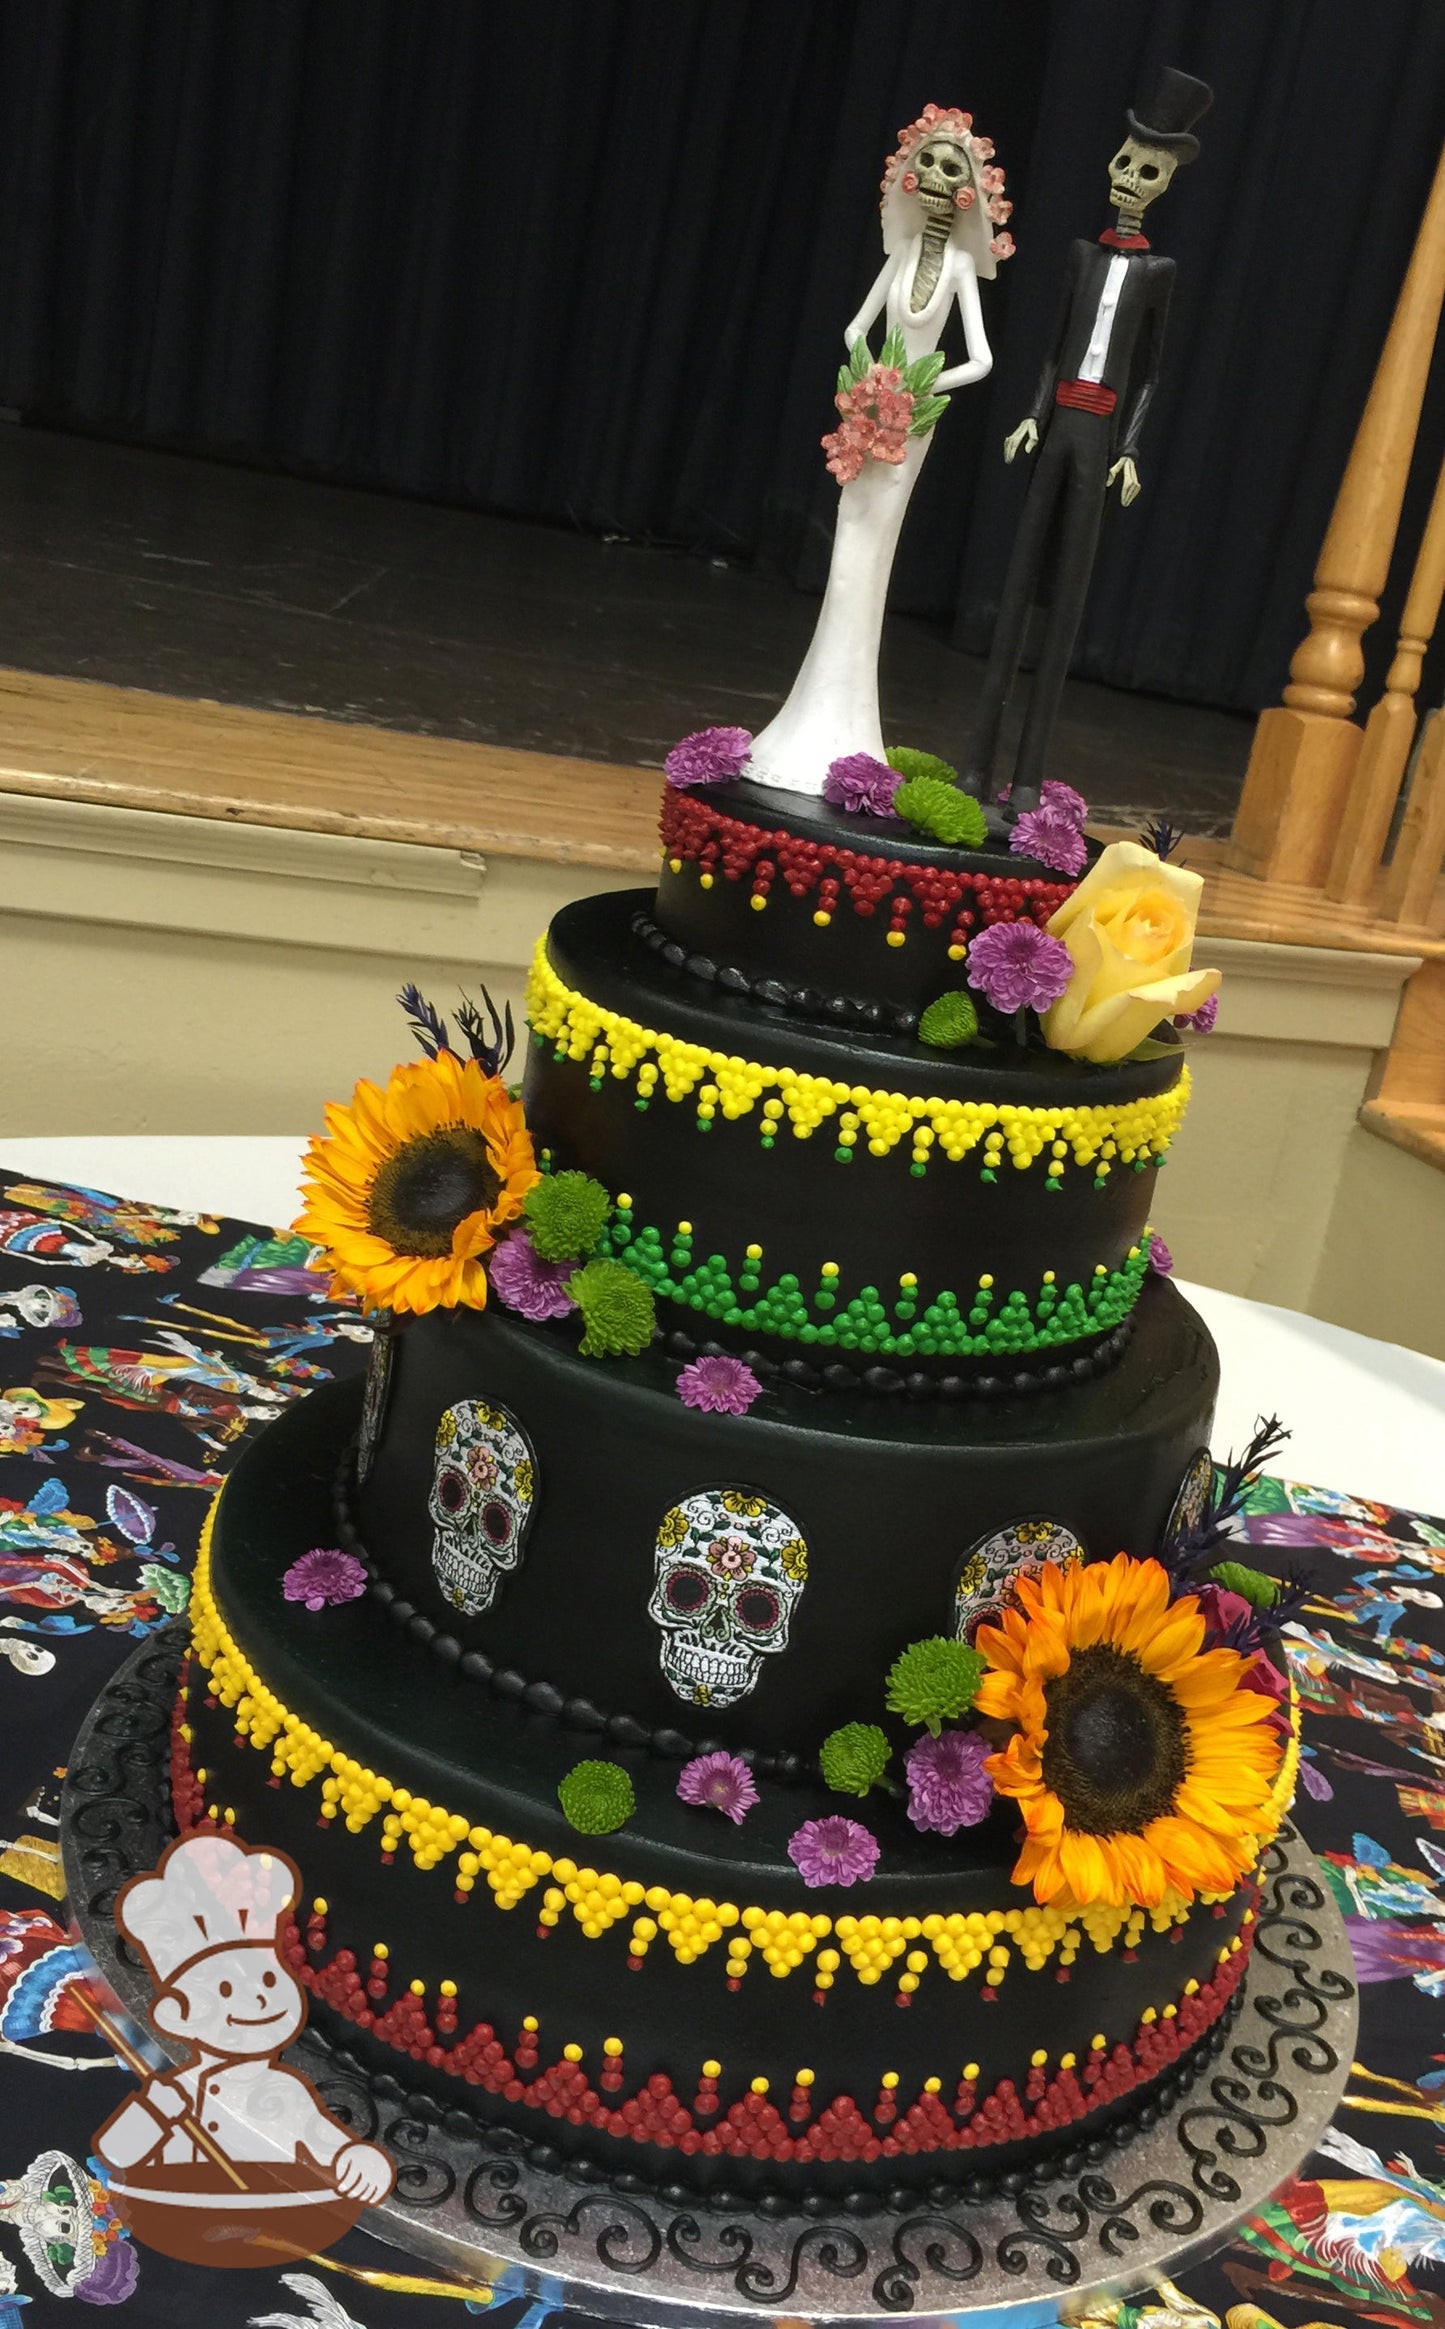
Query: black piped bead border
[809, 1003]
[543, 1698]
[889, 1383]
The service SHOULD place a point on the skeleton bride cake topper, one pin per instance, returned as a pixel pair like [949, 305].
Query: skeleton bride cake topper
[944, 212]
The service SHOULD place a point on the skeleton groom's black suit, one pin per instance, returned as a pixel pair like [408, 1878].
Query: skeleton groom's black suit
[1089, 410]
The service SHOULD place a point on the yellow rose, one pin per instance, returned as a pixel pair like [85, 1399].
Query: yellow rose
[1129, 927]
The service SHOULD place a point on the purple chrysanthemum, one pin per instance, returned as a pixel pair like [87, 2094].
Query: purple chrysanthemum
[521, 1280]
[1160, 1258]
[862, 785]
[719, 1386]
[707, 756]
[1055, 794]
[1202, 1020]
[323, 1575]
[833, 1851]
[1054, 839]
[948, 1787]
[722, 1780]
[1018, 967]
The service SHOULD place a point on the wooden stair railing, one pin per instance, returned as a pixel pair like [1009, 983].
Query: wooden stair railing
[1319, 793]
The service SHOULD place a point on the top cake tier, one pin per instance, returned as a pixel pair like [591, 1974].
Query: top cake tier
[857, 921]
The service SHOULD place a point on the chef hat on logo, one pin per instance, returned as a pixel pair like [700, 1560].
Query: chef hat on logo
[209, 1892]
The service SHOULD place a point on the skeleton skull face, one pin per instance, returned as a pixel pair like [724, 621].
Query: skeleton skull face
[1139, 173]
[944, 172]
[483, 1484]
[729, 1568]
[991, 1568]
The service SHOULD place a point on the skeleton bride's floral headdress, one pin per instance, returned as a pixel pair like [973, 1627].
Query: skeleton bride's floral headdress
[981, 204]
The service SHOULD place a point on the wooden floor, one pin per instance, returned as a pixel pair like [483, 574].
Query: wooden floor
[128, 748]
[192, 579]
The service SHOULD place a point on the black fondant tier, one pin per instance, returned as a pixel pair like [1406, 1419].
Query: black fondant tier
[835, 910]
[861, 1199]
[670, 1998]
[869, 1513]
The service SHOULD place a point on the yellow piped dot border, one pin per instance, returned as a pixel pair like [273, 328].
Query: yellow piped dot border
[607, 1043]
[597, 1900]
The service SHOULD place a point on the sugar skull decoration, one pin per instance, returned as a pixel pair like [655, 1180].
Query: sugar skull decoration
[1192, 1501]
[373, 1404]
[483, 1486]
[729, 1569]
[992, 1567]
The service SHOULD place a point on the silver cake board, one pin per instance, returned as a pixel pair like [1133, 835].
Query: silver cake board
[475, 2201]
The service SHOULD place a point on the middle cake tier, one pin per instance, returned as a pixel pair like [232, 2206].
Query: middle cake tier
[857, 1205]
[565, 1532]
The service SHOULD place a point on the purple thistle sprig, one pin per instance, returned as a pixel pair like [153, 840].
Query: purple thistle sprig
[324, 1576]
[862, 785]
[707, 756]
[721, 1782]
[718, 1385]
[1162, 837]
[1190, 1549]
[834, 1851]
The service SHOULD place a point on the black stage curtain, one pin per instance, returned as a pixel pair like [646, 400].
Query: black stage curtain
[587, 262]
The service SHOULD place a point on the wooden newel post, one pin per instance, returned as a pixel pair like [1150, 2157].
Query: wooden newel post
[1305, 749]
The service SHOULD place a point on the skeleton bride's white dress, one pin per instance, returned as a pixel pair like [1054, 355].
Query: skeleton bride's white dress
[941, 202]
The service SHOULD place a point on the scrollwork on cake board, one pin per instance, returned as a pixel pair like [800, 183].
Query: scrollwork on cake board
[1104, 2221]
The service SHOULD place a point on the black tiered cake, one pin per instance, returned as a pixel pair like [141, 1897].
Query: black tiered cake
[962, 1375]
[775, 1721]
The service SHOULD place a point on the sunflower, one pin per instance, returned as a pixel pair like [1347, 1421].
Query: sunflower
[1141, 1765]
[409, 1186]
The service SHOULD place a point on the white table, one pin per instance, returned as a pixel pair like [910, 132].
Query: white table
[1365, 1417]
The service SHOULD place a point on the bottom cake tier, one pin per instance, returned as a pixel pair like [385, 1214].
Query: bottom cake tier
[668, 2001]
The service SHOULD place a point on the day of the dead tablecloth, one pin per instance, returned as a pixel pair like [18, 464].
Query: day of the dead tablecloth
[140, 1348]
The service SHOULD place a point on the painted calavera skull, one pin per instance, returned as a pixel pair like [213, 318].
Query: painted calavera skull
[991, 1568]
[1192, 1502]
[483, 1484]
[730, 1567]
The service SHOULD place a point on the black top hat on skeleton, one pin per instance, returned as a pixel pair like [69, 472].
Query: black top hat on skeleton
[1167, 117]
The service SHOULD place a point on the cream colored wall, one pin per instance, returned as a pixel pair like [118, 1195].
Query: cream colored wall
[1382, 1270]
[179, 974]
[176, 974]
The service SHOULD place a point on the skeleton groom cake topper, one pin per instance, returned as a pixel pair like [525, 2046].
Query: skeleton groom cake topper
[1088, 413]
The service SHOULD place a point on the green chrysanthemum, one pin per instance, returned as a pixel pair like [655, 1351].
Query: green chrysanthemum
[566, 1214]
[934, 1682]
[909, 764]
[854, 1758]
[949, 1022]
[618, 1310]
[596, 1798]
[1251, 1585]
[941, 810]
